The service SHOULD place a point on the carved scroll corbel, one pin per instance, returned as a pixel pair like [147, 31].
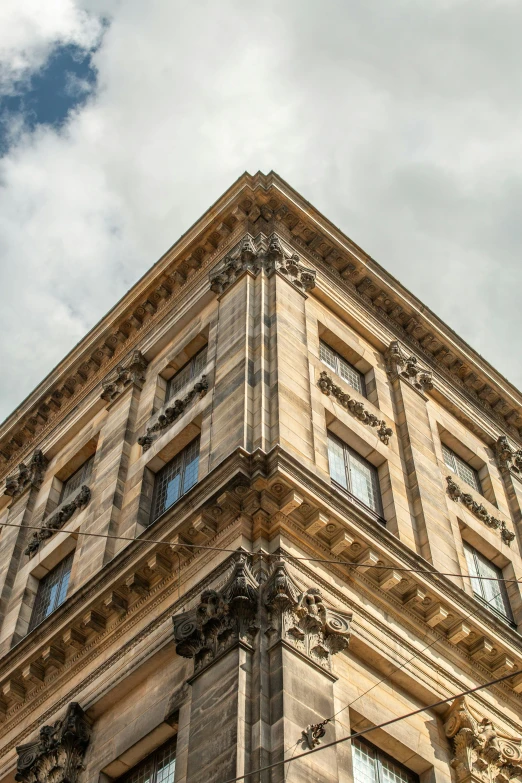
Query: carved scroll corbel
[131, 371]
[398, 363]
[30, 475]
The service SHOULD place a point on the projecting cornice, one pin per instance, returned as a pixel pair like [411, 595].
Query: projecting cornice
[254, 204]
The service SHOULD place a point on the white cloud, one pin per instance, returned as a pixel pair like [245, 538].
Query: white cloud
[399, 121]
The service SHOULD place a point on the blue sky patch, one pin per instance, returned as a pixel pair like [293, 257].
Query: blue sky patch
[65, 82]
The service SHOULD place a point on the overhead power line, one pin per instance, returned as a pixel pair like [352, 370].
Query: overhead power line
[279, 556]
[350, 737]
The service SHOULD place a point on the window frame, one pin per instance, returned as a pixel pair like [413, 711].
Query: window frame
[380, 756]
[195, 368]
[477, 556]
[448, 455]
[152, 759]
[66, 562]
[339, 361]
[85, 473]
[182, 454]
[348, 453]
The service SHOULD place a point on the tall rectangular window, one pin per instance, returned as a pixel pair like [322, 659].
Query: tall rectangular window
[52, 591]
[371, 765]
[342, 368]
[175, 478]
[79, 477]
[159, 767]
[354, 473]
[464, 471]
[188, 372]
[486, 582]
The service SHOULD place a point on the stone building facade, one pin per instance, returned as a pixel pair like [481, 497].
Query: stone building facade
[239, 521]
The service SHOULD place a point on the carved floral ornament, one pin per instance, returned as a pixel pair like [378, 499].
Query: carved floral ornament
[248, 258]
[508, 458]
[30, 475]
[482, 754]
[400, 364]
[131, 371]
[56, 521]
[234, 615]
[173, 412]
[456, 494]
[328, 387]
[57, 756]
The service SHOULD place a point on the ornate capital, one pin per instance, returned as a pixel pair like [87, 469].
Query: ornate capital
[173, 412]
[222, 619]
[456, 494]
[355, 407]
[131, 371]
[30, 475]
[57, 756]
[481, 752]
[303, 620]
[57, 520]
[399, 364]
[248, 258]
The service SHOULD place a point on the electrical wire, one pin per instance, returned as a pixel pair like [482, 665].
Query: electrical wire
[278, 556]
[350, 737]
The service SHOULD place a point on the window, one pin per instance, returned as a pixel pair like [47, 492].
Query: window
[341, 367]
[190, 370]
[175, 478]
[159, 767]
[52, 591]
[371, 765]
[491, 590]
[461, 468]
[79, 477]
[354, 473]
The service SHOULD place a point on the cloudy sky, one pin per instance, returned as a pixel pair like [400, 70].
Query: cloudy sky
[121, 122]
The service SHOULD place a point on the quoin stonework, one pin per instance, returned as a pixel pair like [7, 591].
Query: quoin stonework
[269, 501]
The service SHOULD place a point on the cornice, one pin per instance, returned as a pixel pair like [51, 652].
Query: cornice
[255, 203]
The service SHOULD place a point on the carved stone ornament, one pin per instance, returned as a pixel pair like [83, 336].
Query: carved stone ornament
[57, 520]
[507, 457]
[222, 619]
[131, 371]
[273, 259]
[355, 407]
[456, 494]
[173, 412]
[57, 756]
[302, 619]
[482, 754]
[399, 364]
[30, 475]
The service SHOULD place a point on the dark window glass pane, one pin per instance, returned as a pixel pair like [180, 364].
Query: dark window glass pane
[491, 590]
[464, 471]
[370, 765]
[354, 473]
[52, 590]
[341, 367]
[175, 478]
[189, 371]
[159, 767]
[74, 482]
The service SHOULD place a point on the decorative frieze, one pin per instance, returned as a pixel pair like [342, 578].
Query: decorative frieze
[400, 364]
[507, 457]
[222, 619]
[173, 412]
[57, 756]
[355, 407]
[57, 520]
[250, 259]
[302, 619]
[131, 371]
[30, 475]
[456, 494]
[482, 754]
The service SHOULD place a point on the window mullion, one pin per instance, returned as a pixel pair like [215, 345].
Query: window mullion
[347, 468]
